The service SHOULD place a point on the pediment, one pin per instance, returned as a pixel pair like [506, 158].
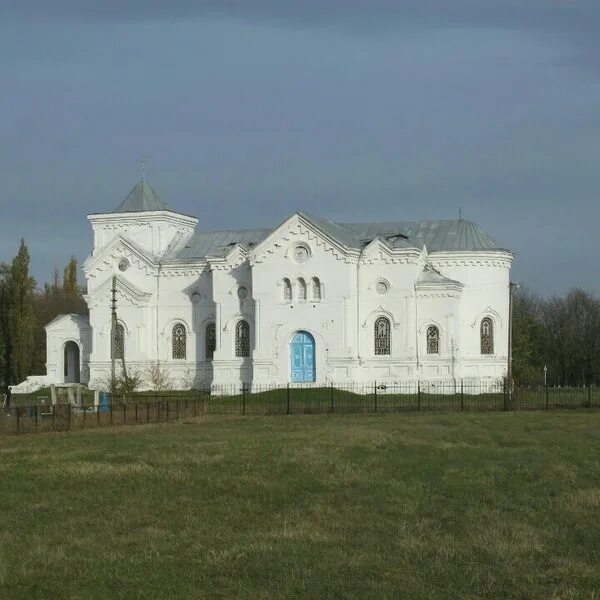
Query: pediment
[379, 250]
[127, 294]
[300, 227]
[121, 247]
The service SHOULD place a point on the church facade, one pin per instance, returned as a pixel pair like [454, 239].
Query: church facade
[310, 301]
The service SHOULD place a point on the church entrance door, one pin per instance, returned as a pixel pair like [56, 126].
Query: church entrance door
[302, 355]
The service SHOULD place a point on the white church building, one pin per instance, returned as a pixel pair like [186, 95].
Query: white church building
[309, 301]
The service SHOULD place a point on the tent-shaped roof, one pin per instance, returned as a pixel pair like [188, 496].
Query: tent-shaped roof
[141, 198]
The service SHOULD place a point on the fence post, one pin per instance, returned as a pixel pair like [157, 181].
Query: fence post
[331, 397]
[147, 412]
[418, 396]
[167, 410]
[462, 396]
[124, 413]
[547, 397]
[111, 412]
[505, 394]
[244, 399]
[36, 416]
[287, 412]
[53, 417]
[69, 416]
[375, 398]
[136, 412]
[18, 419]
[98, 414]
[589, 396]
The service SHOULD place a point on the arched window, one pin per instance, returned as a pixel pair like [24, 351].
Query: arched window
[316, 288]
[210, 341]
[287, 290]
[487, 336]
[179, 341]
[119, 342]
[242, 339]
[382, 336]
[433, 340]
[301, 289]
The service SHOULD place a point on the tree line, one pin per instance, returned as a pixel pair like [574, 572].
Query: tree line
[24, 311]
[559, 333]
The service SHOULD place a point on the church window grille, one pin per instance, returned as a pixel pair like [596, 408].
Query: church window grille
[210, 341]
[301, 289]
[316, 288]
[433, 340]
[487, 336]
[119, 342]
[179, 339]
[242, 339]
[382, 336]
[287, 290]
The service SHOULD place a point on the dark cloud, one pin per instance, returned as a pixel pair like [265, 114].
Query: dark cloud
[556, 14]
[576, 20]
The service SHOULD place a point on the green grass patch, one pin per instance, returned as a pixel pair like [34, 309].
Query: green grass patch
[494, 505]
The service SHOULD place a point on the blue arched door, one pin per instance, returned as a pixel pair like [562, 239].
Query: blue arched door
[302, 355]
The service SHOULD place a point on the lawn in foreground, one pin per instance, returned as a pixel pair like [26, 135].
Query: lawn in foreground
[503, 505]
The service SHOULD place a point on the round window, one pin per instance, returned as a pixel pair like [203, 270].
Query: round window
[123, 264]
[382, 287]
[242, 293]
[301, 254]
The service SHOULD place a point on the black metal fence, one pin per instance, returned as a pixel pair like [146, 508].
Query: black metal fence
[142, 408]
[38, 418]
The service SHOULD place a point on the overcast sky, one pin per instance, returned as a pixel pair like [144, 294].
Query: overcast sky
[355, 110]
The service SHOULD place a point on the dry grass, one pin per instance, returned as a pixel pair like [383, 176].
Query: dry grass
[419, 506]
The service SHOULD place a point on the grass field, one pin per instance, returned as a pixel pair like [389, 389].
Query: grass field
[493, 505]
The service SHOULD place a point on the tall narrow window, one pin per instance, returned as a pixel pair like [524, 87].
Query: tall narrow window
[487, 336]
[382, 336]
[316, 288]
[301, 289]
[287, 290]
[210, 342]
[433, 340]
[179, 340]
[119, 342]
[242, 339]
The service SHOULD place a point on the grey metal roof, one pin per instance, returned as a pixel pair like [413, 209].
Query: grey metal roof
[438, 236]
[215, 243]
[142, 198]
[429, 276]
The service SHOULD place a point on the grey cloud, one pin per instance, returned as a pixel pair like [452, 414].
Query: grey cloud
[577, 14]
[577, 20]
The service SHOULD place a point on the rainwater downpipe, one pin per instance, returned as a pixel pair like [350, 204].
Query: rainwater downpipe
[416, 330]
[157, 305]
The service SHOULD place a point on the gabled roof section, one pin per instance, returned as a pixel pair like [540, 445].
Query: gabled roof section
[429, 277]
[81, 320]
[106, 251]
[142, 198]
[337, 231]
[215, 243]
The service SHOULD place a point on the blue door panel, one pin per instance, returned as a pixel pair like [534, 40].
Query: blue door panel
[302, 354]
